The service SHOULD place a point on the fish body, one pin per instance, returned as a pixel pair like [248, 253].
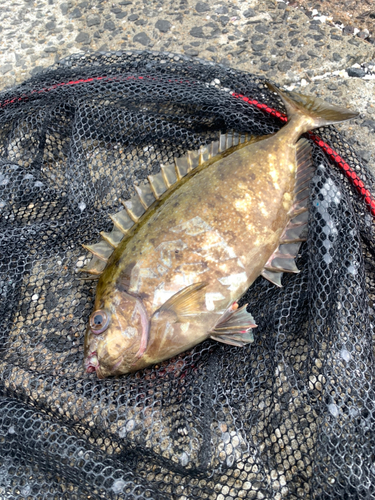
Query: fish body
[177, 278]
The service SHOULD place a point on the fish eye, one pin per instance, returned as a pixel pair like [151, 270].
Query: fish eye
[99, 321]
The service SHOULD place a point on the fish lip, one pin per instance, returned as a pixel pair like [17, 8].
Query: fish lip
[89, 365]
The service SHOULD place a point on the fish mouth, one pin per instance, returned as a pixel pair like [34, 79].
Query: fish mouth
[92, 363]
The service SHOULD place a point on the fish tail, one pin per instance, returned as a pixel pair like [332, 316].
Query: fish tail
[312, 111]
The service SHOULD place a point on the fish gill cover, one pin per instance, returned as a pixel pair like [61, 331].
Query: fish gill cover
[290, 416]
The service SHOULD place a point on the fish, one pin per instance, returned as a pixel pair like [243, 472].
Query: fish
[185, 249]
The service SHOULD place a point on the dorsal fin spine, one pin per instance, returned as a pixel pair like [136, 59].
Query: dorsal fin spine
[157, 185]
[107, 239]
[122, 221]
[134, 208]
[169, 174]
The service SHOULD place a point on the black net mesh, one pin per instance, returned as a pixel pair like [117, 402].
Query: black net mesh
[291, 416]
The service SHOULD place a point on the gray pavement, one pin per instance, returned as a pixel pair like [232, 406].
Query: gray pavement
[259, 36]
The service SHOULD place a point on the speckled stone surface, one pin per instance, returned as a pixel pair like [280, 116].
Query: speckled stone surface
[259, 36]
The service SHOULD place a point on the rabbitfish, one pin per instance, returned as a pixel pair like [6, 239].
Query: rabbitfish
[187, 247]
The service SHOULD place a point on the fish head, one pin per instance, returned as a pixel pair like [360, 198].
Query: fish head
[116, 334]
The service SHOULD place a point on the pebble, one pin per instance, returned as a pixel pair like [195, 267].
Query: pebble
[202, 7]
[333, 409]
[163, 26]
[142, 38]
[118, 485]
[92, 20]
[356, 72]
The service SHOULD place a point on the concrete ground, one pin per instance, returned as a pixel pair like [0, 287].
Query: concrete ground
[264, 37]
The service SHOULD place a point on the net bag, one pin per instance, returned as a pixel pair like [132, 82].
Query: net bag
[291, 416]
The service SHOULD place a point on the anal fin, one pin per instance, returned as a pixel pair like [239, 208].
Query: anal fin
[295, 232]
[234, 327]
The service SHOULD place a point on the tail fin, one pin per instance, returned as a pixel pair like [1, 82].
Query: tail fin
[316, 111]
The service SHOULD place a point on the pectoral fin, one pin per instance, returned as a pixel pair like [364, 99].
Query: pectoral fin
[186, 302]
[234, 327]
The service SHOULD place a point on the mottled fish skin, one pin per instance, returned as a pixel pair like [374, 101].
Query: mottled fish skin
[216, 230]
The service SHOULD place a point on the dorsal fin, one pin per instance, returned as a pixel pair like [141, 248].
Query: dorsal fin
[154, 190]
[295, 232]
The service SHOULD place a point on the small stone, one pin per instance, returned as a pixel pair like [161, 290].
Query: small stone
[130, 424]
[76, 13]
[336, 57]
[345, 354]
[332, 86]
[141, 38]
[312, 53]
[224, 20]
[202, 7]
[133, 17]
[184, 459]
[284, 66]
[262, 28]
[92, 20]
[363, 34]
[348, 30]
[332, 408]
[222, 10]
[191, 52]
[50, 50]
[121, 15]
[197, 32]
[82, 206]
[35, 70]
[5, 68]
[163, 25]
[83, 37]
[366, 155]
[356, 72]
[118, 485]
[64, 8]
[303, 57]
[35, 297]
[249, 13]
[109, 25]
[211, 48]
[51, 25]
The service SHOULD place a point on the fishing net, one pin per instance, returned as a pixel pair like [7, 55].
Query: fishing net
[290, 416]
